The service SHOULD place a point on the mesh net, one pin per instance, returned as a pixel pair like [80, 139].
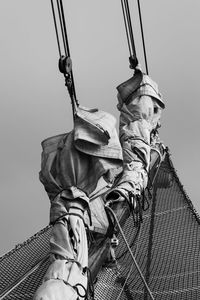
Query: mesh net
[16, 263]
[166, 248]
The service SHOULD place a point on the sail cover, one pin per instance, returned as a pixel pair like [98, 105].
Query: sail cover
[166, 248]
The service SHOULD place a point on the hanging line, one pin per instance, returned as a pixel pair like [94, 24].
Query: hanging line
[142, 33]
[129, 33]
[126, 27]
[65, 63]
[56, 28]
[67, 46]
[64, 35]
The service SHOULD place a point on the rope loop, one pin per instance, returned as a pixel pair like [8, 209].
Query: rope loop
[77, 290]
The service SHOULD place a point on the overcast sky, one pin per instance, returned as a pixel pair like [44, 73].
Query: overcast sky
[35, 103]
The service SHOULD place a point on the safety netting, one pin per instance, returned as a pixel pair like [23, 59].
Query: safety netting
[166, 248]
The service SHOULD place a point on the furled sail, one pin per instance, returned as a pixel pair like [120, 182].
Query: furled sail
[166, 249]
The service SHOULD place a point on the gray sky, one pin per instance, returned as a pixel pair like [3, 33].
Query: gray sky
[35, 103]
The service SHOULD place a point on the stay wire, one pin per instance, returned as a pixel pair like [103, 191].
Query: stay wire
[142, 33]
[56, 28]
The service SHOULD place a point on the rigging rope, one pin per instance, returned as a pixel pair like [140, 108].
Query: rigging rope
[109, 209]
[126, 26]
[65, 64]
[67, 44]
[124, 287]
[56, 28]
[142, 33]
[129, 33]
[130, 26]
[62, 27]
